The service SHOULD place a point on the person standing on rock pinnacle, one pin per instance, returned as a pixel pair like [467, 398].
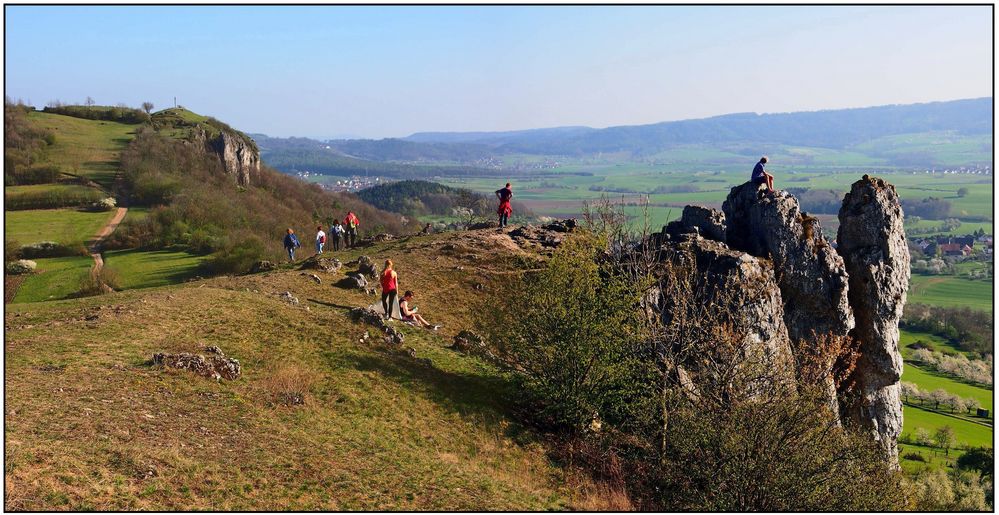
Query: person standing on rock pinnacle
[291, 243]
[760, 176]
[351, 222]
[505, 209]
[390, 287]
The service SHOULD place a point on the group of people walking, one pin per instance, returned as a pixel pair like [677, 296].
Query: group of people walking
[343, 235]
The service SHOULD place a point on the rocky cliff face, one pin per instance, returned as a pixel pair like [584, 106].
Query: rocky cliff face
[239, 158]
[786, 284]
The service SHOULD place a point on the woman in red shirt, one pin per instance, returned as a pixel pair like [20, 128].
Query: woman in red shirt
[390, 286]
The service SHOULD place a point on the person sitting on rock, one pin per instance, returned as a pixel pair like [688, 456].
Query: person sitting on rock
[291, 243]
[760, 176]
[409, 314]
[390, 285]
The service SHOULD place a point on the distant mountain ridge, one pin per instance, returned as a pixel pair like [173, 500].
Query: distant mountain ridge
[828, 128]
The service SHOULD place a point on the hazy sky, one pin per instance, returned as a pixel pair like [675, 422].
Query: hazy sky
[326, 71]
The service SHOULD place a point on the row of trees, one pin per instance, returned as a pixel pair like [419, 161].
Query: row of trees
[966, 328]
[938, 398]
[976, 370]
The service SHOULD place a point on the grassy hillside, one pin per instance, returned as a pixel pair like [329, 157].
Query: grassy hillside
[89, 148]
[89, 425]
[950, 291]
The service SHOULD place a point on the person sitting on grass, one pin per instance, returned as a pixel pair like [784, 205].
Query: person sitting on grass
[760, 176]
[409, 314]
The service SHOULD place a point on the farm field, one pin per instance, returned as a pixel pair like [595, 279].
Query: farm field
[929, 380]
[55, 278]
[967, 433]
[146, 269]
[562, 194]
[66, 226]
[89, 148]
[950, 291]
[940, 344]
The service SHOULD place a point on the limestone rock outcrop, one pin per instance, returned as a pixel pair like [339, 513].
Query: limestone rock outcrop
[812, 276]
[765, 272]
[216, 365]
[872, 242]
[731, 291]
[239, 157]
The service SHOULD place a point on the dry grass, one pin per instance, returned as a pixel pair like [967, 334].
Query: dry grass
[89, 425]
[289, 385]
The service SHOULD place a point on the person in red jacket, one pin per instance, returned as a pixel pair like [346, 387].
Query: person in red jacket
[390, 287]
[505, 209]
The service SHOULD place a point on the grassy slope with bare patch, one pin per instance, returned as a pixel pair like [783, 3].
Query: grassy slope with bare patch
[90, 425]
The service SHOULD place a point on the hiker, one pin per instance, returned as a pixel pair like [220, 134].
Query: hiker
[390, 284]
[427, 229]
[760, 176]
[351, 223]
[505, 210]
[320, 239]
[337, 232]
[409, 313]
[291, 243]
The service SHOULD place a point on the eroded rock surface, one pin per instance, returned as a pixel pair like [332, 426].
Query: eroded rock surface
[872, 242]
[811, 275]
[216, 365]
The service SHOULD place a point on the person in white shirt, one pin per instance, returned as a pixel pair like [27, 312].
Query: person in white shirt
[320, 239]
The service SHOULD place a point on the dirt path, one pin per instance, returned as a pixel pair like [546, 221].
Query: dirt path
[93, 246]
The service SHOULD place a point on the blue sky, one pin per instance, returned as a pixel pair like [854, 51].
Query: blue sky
[328, 71]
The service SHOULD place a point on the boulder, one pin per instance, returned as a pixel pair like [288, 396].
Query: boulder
[353, 280]
[366, 266]
[215, 366]
[262, 266]
[374, 318]
[871, 240]
[811, 275]
[323, 264]
[707, 222]
[289, 298]
[315, 278]
[21, 266]
[545, 236]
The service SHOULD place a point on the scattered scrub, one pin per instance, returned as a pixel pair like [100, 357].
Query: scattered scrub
[38, 174]
[118, 114]
[47, 249]
[104, 281]
[289, 385]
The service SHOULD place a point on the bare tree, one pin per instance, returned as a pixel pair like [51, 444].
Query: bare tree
[147, 107]
[89, 101]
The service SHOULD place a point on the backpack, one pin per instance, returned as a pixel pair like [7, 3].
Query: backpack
[294, 240]
[322, 239]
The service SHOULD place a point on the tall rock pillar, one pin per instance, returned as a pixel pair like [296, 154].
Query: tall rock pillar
[872, 243]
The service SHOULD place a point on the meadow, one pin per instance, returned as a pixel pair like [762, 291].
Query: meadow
[66, 226]
[951, 291]
[147, 269]
[89, 148]
[55, 278]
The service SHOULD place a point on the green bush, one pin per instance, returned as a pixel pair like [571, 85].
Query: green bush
[33, 175]
[236, 256]
[571, 327]
[104, 281]
[47, 249]
[52, 199]
[109, 113]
